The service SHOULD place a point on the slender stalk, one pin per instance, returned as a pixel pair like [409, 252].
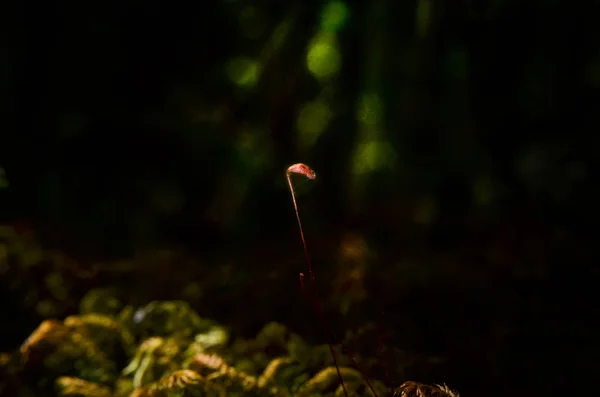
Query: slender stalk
[316, 301]
[358, 368]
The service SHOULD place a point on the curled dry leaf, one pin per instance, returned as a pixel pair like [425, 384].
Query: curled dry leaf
[183, 382]
[180, 380]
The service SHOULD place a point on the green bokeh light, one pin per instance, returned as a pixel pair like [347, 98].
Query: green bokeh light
[323, 58]
[334, 16]
[373, 156]
[423, 17]
[370, 110]
[312, 121]
[243, 71]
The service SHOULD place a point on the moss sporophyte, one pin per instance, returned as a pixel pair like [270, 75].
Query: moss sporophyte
[314, 298]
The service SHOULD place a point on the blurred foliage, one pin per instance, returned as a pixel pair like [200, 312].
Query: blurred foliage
[125, 136]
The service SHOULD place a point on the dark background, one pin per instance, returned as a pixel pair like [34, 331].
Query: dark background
[454, 184]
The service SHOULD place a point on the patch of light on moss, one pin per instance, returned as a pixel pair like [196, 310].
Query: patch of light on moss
[370, 110]
[373, 156]
[324, 59]
[334, 16]
[243, 71]
[312, 121]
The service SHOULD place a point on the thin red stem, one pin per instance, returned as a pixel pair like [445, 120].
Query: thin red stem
[305, 291]
[380, 354]
[317, 301]
[358, 368]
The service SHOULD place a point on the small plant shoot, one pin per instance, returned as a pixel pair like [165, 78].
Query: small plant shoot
[314, 300]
